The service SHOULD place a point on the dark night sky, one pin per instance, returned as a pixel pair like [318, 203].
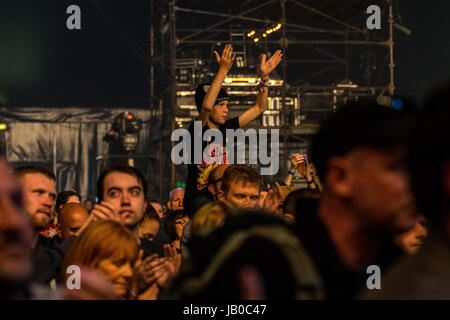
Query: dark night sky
[42, 63]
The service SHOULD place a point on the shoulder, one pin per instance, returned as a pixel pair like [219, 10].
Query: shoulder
[232, 123]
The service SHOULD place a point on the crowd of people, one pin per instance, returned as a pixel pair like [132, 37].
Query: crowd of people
[378, 187]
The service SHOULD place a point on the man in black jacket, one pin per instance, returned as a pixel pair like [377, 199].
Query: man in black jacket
[359, 154]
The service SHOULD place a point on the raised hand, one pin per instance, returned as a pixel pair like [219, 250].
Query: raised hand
[226, 60]
[105, 211]
[267, 67]
[273, 199]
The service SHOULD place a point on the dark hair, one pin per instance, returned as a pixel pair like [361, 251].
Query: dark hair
[236, 173]
[200, 94]
[290, 203]
[22, 171]
[169, 222]
[123, 169]
[429, 153]
[63, 197]
[150, 214]
[360, 123]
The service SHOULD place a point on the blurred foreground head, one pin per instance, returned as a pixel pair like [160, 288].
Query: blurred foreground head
[429, 159]
[15, 231]
[359, 153]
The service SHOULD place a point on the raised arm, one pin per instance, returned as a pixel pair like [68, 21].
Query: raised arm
[225, 63]
[266, 68]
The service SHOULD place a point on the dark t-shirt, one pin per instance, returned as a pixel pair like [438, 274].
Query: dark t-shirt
[197, 180]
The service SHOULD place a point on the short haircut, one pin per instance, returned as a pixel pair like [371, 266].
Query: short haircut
[63, 197]
[150, 214]
[211, 215]
[358, 124]
[169, 223]
[200, 94]
[122, 169]
[22, 171]
[240, 173]
[290, 203]
[429, 153]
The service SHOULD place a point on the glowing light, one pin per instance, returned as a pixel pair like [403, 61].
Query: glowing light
[256, 40]
[264, 35]
[397, 104]
[130, 117]
[251, 33]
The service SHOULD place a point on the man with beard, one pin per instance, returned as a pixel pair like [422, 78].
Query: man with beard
[39, 192]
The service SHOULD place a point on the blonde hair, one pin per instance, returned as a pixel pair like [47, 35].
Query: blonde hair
[210, 215]
[99, 241]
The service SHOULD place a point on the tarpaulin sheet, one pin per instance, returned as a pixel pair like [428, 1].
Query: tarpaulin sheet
[66, 140]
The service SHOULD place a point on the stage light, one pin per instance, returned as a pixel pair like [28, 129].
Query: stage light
[251, 33]
[397, 104]
[264, 35]
[256, 40]
[3, 126]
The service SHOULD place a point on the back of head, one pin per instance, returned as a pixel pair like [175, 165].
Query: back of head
[63, 197]
[362, 123]
[290, 203]
[200, 94]
[210, 215]
[240, 173]
[122, 169]
[101, 240]
[429, 156]
[70, 209]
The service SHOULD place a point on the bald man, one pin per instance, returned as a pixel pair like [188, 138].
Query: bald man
[71, 218]
[176, 197]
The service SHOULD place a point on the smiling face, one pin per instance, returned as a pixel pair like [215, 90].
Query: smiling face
[219, 113]
[39, 196]
[125, 192]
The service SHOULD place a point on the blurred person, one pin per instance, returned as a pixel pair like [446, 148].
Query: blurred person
[69, 196]
[157, 206]
[212, 103]
[71, 218]
[359, 152]
[109, 247]
[88, 205]
[176, 197]
[211, 215]
[425, 274]
[16, 236]
[174, 224]
[246, 239]
[296, 199]
[410, 241]
[149, 225]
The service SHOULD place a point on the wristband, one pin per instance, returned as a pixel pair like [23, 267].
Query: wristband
[293, 172]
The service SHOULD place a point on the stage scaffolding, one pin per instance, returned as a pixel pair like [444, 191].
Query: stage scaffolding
[184, 33]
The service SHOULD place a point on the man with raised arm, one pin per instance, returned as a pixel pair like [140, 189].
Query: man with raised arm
[212, 104]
